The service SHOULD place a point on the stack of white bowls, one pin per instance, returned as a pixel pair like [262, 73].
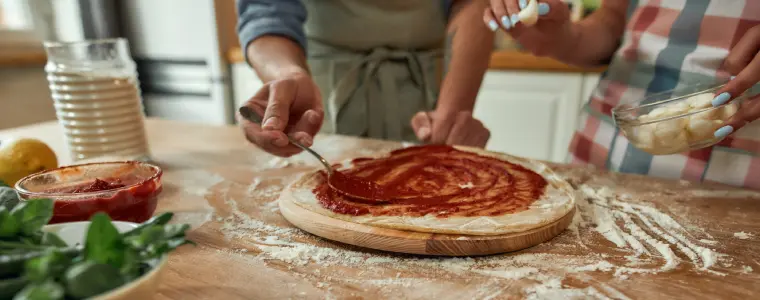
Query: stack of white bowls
[101, 115]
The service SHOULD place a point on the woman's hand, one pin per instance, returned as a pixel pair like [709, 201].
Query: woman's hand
[744, 63]
[450, 128]
[549, 35]
[291, 105]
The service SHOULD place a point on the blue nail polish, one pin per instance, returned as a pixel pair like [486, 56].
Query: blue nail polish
[523, 4]
[721, 99]
[543, 9]
[515, 19]
[506, 22]
[723, 131]
[492, 25]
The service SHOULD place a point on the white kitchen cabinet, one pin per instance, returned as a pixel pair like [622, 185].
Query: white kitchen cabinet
[530, 114]
[589, 84]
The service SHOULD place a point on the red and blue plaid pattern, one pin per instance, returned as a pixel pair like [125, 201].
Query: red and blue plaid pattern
[668, 44]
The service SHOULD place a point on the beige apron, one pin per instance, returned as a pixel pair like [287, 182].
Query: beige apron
[375, 62]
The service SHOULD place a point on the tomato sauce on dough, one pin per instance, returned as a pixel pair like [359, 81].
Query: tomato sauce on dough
[438, 180]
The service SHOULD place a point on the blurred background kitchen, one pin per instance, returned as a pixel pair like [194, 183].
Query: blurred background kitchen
[191, 68]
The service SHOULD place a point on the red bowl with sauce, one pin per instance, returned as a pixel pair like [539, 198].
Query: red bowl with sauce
[126, 191]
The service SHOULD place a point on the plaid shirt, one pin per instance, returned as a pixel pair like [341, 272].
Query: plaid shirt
[667, 44]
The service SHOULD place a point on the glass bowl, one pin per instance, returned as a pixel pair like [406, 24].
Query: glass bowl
[675, 121]
[126, 191]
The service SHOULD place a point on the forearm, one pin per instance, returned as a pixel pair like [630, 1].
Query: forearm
[271, 33]
[468, 52]
[274, 57]
[593, 40]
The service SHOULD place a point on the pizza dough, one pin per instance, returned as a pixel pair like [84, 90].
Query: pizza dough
[557, 199]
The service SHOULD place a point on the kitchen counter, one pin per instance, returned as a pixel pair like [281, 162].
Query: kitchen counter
[652, 239]
[18, 58]
[500, 60]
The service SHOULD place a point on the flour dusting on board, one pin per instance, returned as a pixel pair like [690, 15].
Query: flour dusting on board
[649, 240]
[742, 235]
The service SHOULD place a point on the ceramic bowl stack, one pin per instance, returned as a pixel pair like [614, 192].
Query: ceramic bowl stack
[97, 99]
[100, 115]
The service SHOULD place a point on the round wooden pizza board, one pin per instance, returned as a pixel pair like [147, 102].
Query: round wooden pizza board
[417, 242]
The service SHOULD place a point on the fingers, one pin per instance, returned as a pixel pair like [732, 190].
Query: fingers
[307, 126]
[468, 131]
[747, 113]
[267, 140]
[513, 8]
[500, 14]
[490, 20]
[743, 52]
[281, 97]
[749, 76]
[553, 10]
[422, 126]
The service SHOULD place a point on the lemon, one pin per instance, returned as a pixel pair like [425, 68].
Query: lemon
[20, 157]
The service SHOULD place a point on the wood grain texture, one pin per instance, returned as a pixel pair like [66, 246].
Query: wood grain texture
[31, 58]
[417, 242]
[227, 190]
[500, 60]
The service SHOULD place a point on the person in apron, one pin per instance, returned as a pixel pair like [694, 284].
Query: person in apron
[365, 68]
[653, 46]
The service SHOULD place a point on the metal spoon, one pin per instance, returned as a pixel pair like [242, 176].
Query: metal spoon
[348, 185]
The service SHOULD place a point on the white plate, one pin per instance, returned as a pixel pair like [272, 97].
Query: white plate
[74, 233]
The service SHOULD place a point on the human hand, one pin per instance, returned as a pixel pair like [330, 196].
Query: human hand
[743, 61]
[291, 105]
[546, 36]
[453, 129]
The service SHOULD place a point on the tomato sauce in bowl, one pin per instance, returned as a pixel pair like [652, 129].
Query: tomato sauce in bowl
[126, 191]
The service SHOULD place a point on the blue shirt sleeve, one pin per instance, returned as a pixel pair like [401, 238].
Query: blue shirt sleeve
[270, 17]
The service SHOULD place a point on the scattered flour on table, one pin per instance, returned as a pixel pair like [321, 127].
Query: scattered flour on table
[194, 183]
[742, 235]
[653, 241]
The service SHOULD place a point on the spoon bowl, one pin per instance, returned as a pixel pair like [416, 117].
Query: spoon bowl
[345, 184]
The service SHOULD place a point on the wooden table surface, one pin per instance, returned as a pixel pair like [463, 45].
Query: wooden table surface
[633, 238]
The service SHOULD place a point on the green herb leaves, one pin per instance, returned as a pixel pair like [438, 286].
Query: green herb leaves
[88, 278]
[8, 197]
[104, 244]
[35, 264]
[33, 214]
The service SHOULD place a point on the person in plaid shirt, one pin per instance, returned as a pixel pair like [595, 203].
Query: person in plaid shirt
[654, 46]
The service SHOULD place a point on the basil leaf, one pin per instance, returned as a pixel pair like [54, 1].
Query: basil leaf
[9, 226]
[88, 278]
[33, 214]
[10, 287]
[132, 262]
[104, 244]
[146, 237]
[48, 290]
[52, 239]
[3, 184]
[175, 230]
[161, 219]
[12, 264]
[48, 266]
[8, 197]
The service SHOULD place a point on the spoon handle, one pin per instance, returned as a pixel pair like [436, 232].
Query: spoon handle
[251, 115]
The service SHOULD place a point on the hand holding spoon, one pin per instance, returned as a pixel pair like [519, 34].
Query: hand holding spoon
[345, 184]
